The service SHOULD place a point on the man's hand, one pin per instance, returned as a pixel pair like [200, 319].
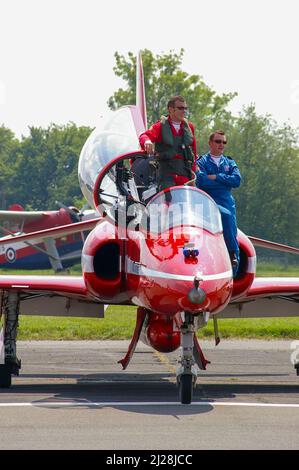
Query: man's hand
[211, 177]
[149, 147]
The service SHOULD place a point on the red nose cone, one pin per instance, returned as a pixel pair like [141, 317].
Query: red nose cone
[162, 337]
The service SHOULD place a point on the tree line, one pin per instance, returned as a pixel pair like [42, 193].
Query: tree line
[41, 168]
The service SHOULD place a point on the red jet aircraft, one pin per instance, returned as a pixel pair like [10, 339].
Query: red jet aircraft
[41, 252]
[162, 252]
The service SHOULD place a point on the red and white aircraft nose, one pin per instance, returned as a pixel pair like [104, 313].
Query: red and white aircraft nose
[178, 286]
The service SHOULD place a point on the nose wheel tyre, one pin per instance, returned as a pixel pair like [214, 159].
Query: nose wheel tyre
[186, 389]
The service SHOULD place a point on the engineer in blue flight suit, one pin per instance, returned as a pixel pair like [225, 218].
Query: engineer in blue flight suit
[217, 174]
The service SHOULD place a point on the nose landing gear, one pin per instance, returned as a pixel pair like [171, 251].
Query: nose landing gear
[187, 371]
[192, 357]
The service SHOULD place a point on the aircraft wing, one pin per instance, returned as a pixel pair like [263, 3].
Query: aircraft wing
[53, 232]
[52, 295]
[267, 297]
[61, 285]
[273, 245]
[22, 216]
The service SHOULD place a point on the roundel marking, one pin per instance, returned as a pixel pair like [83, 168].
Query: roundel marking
[10, 255]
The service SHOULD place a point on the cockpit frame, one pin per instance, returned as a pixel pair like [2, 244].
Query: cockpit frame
[120, 171]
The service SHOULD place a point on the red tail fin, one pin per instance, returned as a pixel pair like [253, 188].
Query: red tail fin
[140, 90]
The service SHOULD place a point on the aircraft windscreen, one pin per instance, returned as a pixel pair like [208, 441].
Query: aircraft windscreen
[182, 206]
[115, 137]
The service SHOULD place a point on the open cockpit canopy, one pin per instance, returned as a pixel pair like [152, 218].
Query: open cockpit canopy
[117, 136]
[114, 173]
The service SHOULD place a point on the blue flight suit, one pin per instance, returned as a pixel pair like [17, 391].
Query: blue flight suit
[227, 177]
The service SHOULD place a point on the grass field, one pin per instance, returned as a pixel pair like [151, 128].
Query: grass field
[119, 321]
[119, 324]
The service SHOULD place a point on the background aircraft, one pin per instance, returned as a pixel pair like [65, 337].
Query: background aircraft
[41, 252]
[163, 252]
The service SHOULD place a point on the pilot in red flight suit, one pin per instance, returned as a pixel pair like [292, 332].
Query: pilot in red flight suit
[175, 145]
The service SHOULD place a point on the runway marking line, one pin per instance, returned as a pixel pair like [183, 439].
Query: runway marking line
[167, 403]
[164, 360]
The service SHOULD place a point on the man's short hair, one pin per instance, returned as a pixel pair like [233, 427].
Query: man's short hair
[173, 99]
[215, 132]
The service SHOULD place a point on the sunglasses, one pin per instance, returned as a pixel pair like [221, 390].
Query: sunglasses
[218, 141]
[181, 108]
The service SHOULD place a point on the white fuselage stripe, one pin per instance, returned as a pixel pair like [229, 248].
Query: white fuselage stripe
[139, 270]
[87, 263]
[251, 265]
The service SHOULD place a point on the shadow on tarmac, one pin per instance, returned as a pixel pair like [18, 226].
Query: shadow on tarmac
[143, 388]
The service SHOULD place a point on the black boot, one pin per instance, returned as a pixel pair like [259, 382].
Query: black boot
[234, 260]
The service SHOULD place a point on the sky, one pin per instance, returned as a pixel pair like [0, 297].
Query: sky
[57, 56]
